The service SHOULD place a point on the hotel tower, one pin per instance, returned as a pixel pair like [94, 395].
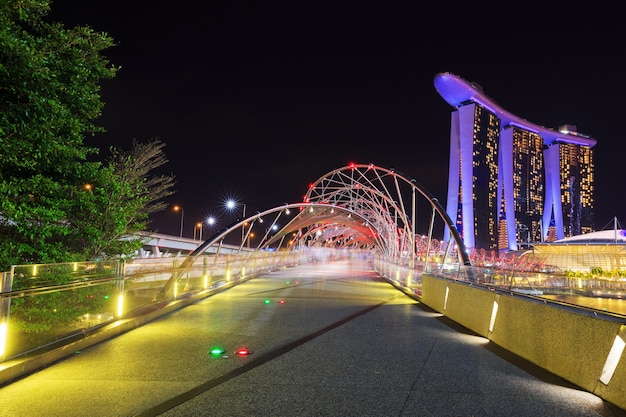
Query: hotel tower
[511, 181]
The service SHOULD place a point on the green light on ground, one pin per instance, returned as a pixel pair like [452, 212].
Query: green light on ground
[216, 351]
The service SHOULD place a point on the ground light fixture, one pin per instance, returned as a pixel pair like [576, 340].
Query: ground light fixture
[216, 351]
[243, 351]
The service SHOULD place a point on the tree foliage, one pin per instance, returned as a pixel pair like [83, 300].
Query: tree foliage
[49, 98]
[119, 200]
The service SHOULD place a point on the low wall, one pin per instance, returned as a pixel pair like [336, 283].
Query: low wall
[570, 343]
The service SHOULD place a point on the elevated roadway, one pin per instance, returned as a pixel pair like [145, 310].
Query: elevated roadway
[329, 339]
[157, 245]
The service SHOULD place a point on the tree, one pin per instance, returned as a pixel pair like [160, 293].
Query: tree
[116, 204]
[49, 98]
[118, 201]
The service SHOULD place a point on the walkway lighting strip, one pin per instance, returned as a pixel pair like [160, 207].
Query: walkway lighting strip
[3, 338]
[614, 356]
[120, 305]
[494, 313]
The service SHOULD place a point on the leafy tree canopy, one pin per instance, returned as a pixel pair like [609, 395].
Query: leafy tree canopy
[49, 98]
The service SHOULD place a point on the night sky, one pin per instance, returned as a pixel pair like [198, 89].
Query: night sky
[255, 100]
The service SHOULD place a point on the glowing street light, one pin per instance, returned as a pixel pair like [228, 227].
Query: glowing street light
[231, 204]
[182, 215]
[210, 221]
[198, 226]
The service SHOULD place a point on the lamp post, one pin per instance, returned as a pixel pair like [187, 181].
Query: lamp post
[231, 204]
[182, 215]
[210, 221]
[199, 227]
[243, 228]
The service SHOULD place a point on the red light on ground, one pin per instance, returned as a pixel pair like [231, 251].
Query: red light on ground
[242, 352]
[282, 301]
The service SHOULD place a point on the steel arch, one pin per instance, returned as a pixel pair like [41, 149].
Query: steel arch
[380, 195]
[357, 206]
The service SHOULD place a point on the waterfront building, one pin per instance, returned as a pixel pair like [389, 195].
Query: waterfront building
[510, 181]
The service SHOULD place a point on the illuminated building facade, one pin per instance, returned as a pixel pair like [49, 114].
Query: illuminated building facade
[511, 181]
[528, 177]
[473, 186]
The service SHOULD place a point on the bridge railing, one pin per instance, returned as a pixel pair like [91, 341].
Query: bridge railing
[515, 309]
[45, 306]
[540, 282]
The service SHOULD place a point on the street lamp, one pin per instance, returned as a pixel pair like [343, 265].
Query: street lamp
[231, 204]
[182, 215]
[210, 221]
[199, 227]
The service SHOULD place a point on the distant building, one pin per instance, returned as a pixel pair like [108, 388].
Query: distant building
[604, 250]
[511, 181]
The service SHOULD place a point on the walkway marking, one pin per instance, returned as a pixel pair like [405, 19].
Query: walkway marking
[206, 386]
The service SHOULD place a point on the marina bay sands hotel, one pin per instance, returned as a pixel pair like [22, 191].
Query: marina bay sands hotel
[511, 181]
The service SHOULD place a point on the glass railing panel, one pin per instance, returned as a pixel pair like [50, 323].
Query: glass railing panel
[44, 319]
[49, 275]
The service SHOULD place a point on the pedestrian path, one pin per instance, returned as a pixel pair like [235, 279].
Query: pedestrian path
[328, 340]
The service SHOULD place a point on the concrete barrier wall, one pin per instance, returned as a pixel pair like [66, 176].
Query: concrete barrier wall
[566, 342]
[457, 301]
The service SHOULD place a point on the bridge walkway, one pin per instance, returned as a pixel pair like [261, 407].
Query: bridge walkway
[325, 340]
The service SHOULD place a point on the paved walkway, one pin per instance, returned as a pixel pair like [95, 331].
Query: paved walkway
[332, 340]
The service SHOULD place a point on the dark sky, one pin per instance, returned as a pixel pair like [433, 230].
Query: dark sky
[256, 100]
